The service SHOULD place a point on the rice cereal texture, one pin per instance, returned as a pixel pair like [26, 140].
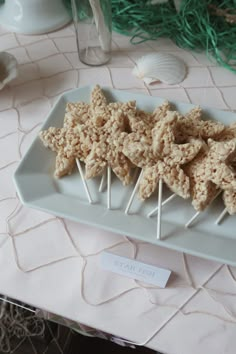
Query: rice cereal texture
[229, 198]
[211, 171]
[55, 139]
[192, 124]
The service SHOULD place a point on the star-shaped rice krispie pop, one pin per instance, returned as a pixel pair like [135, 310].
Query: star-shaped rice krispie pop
[84, 129]
[161, 158]
[140, 126]
[66, 141]
[210, 171]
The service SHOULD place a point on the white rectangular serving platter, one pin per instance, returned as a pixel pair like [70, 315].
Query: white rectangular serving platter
[66, 197]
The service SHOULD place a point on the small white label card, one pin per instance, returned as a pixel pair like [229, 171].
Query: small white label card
[134, 269]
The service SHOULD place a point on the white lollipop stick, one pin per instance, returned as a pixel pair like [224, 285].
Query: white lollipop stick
[83, 180]
[199, 212]
[133, 193]
[159, 209]
[194, 217]
[108, 187]
[167, 200]
[221, 216]
[101, 186]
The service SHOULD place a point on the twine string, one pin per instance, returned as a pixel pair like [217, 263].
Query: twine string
[138, 286]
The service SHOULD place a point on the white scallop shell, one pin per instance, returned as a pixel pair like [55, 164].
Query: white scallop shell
[160, 67]
[8, 68]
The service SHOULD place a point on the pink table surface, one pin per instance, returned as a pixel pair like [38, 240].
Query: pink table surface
[196, 312]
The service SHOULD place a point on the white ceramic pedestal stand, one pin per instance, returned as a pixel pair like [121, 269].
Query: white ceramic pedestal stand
[33, 16]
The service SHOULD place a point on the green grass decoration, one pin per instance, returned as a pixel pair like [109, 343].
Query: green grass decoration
[194, 27]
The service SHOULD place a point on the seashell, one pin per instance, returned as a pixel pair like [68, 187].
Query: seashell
[8, 68]
[160, 67]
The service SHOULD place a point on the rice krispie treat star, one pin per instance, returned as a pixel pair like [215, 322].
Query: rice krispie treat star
[71, 141]
[84, 130]
[210, 171]
[192, 124]
[141, 124]
[87, 119]
[161, 157]
[140, 138]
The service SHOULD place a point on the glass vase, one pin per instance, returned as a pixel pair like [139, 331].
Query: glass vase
[93, 27]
